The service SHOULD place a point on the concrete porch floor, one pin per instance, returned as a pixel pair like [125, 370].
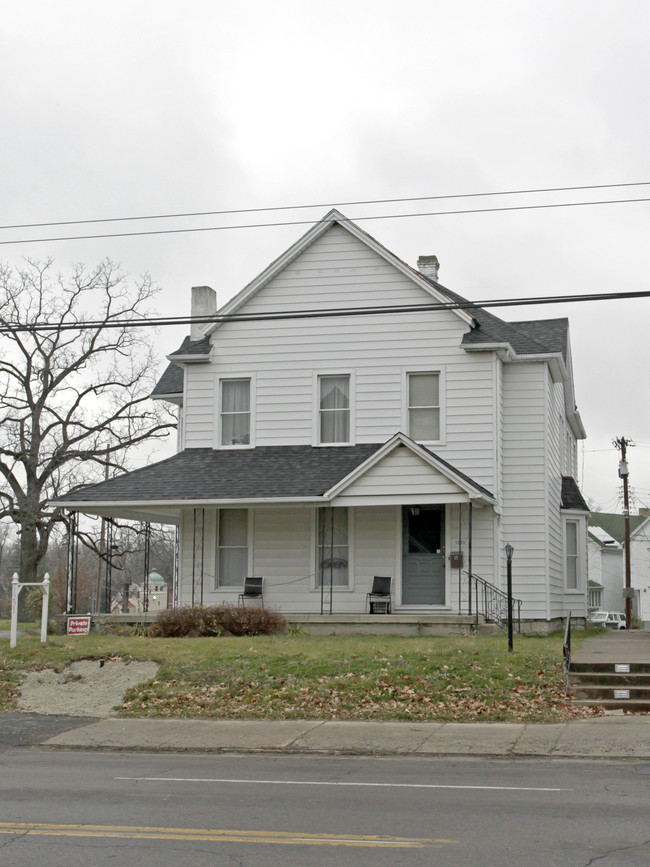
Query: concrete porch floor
[391, 624]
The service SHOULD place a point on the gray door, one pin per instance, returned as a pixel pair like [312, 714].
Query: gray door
[423, 555]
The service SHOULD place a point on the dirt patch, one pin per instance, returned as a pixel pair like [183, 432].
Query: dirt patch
[89, 687]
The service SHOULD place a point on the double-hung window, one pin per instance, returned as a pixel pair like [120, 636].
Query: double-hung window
[334, 409]
[424, 406]
[571, 555]
[232, 547]
[332, 548]
[235, 412]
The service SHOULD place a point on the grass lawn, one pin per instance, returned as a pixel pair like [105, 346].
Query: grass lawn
[336, 677]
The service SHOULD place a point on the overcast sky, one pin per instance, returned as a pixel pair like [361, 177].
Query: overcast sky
[139, 108]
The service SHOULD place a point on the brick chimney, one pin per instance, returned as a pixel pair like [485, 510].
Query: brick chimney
[429, 265]
[204, 303]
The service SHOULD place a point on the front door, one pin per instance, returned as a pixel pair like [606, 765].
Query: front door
[423, 555]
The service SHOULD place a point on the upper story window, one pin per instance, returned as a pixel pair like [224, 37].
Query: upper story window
[334, 409]
[235, 412]
[424, 406]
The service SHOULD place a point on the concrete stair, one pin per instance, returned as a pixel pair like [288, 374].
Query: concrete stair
[612, 670]
[610, 685]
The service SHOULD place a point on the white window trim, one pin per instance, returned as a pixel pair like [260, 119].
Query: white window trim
[442, 392]
[249, 553]
[315, 588]
[316, 376]
[251, 377]
[579, 590]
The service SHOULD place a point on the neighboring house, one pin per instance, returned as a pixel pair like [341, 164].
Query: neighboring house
[154, 596]
[344, 416]
[606, 553]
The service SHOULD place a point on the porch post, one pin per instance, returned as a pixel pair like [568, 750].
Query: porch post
[147, 554]
[460, 559]
[469, 556]
[202, 550]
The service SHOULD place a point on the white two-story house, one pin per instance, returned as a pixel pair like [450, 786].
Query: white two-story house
[346, 416]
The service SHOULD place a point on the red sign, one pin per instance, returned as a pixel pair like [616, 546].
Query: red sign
[79, 625]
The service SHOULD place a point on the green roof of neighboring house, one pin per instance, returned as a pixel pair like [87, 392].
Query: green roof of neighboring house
[614, 524]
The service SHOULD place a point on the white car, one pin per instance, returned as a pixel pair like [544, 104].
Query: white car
[615, 620]
[597, 618]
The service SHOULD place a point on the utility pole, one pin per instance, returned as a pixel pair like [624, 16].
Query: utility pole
[621, 443]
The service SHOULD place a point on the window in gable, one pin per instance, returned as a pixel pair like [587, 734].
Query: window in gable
[424, 406]
[235, 412]
[334, 409]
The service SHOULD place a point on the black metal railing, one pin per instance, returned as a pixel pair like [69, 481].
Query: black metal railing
[480, 598]
[566, 652]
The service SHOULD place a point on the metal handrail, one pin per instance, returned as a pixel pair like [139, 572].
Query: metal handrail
[566, 653]
[489, 601]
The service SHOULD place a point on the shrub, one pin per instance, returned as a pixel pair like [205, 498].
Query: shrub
[217, 620]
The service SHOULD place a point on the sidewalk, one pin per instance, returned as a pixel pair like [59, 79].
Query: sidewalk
[624, 736]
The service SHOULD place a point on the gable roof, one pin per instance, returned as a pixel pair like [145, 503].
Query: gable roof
[547, 338]
[614, 525]
[458, 478]
[263, 474]
[332, 218]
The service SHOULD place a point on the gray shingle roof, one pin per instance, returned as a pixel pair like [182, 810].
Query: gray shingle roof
[171, 382]
[526, 338]
[571, 496]
[193, 347]
[237, 474]
[265, 472]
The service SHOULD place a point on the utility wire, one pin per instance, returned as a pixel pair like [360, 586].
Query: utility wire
[343, 220]
[322, 205]
[159, 321]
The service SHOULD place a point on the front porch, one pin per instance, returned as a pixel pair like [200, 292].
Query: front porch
[413, 625]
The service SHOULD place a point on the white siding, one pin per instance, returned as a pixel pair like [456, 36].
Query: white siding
[524, 483]
[199, 406]
[338, 270]
[402, 477]
[554, 519]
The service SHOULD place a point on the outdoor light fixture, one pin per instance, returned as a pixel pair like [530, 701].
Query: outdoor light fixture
[509, 552]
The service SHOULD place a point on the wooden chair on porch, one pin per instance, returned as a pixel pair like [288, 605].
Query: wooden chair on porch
[253, 589]
[378, 599]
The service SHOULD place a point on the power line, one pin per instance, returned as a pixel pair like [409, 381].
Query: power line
[160, 321]
[322, 205]
[194, 229]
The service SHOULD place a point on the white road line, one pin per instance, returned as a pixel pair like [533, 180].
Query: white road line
[317, 783]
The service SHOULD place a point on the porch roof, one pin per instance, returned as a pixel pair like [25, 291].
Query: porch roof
[203, 477]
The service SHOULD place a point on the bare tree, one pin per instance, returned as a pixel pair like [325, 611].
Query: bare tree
[75, 376]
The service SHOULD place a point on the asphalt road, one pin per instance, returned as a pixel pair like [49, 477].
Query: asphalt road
[103, 808]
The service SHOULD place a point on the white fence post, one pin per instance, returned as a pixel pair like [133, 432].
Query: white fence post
[45, 607]
[16, 587]
[15, 590]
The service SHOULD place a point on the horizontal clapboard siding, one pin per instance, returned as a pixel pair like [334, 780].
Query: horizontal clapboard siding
[339, 271]
[525, 515]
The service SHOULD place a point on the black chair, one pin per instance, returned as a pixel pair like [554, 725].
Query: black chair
[252, 590]
[379, 596]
